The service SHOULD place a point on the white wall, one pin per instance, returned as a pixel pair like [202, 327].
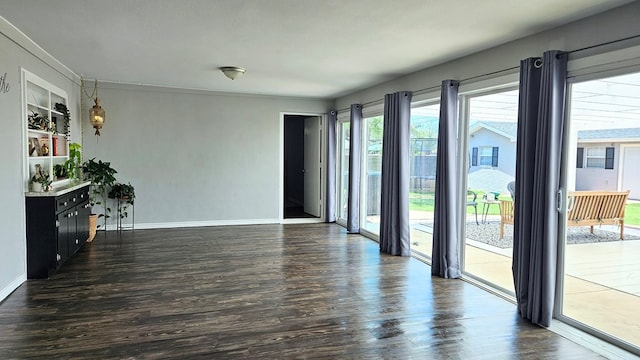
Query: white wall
[609, 26]
[18, 52]
[195, 157]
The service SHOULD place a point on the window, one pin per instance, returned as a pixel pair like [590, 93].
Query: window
[598, 157]
[484, 156]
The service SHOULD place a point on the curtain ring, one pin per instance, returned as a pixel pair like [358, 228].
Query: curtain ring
[537, 63]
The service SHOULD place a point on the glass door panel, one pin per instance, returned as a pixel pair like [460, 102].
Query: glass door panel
[492, 134]
[343, 170]
[423, 152]
[601, 280]
[372, 174]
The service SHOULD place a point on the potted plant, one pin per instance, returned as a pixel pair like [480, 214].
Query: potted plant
[102, 177]
[72, 167]
[62, 108]
[40, 180]
[37, 121]
[125, 193]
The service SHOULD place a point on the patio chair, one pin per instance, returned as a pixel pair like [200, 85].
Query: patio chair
[471, 201]
[512, 189]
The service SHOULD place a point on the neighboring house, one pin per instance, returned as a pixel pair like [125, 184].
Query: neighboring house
[606, 159]
[492, 145]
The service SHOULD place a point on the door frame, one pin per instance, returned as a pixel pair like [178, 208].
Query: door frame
[323, 146]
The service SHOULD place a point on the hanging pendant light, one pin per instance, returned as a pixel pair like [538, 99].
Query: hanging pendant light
[96, 116]
[96, 113]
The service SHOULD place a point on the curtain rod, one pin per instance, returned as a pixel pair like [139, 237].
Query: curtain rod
[508, 69]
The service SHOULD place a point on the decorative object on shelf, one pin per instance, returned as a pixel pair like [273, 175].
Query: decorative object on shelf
[125, 193]
[96, 113]
[101, 176]
[34, 146]
[40, 180]
[233, 72]
[45, 149]
[62, 108]
[37, 121]
[73, 165]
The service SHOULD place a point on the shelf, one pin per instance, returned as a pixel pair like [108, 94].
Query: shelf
[43, 108]
[51, 148]
[39, 132]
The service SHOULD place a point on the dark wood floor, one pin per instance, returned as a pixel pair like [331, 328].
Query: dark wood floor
[260, 292]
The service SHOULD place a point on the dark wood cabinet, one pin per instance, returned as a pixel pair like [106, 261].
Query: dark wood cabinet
[57, 226]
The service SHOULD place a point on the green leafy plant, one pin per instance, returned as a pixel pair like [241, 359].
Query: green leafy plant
[37, 121]
[62, 108]
[126, 194]
[59, 171]
[102, 177]
[73, 165]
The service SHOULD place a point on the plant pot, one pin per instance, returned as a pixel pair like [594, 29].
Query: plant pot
[93, 223]
[36, 187]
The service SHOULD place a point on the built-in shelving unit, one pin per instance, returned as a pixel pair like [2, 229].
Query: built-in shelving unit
[45, 134]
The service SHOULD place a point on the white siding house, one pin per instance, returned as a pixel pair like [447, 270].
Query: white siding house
[607, 159]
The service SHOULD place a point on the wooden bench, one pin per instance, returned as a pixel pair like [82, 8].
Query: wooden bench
[586, 208]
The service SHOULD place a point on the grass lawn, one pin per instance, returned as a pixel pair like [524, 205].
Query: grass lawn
[425, 201]
[632, 214]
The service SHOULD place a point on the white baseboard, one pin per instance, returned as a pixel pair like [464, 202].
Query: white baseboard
[7, 290]
[184, 224]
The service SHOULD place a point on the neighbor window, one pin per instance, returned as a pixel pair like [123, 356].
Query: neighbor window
[598, 157]
[484, 156]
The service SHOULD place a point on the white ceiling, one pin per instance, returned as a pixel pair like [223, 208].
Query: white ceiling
[308, 48]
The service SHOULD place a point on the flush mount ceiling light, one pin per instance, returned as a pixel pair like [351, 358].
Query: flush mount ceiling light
[232, 72]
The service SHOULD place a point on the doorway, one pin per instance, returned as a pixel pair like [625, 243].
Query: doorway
[302, 170]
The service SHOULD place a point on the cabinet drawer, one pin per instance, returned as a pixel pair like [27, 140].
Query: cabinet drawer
[70, 200]
[65, 202]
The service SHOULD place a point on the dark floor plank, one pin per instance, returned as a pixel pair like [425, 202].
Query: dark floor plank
[260, 292]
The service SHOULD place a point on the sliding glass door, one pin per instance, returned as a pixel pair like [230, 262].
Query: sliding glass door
[422, 177]
[372, 179]
[601, 279]
[343, 171]
[492, 119]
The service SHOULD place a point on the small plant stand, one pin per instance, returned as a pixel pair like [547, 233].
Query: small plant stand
[119, 216]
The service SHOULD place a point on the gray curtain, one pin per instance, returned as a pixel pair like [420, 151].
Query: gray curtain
[538, 153]
[355, 150]
[330, 166]
[445, 259]
[394, 203]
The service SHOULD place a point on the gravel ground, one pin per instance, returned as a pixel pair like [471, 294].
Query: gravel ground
[489, 233]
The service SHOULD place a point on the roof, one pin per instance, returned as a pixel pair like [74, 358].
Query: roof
[618, 135]
[510, 130]
[504, 128]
